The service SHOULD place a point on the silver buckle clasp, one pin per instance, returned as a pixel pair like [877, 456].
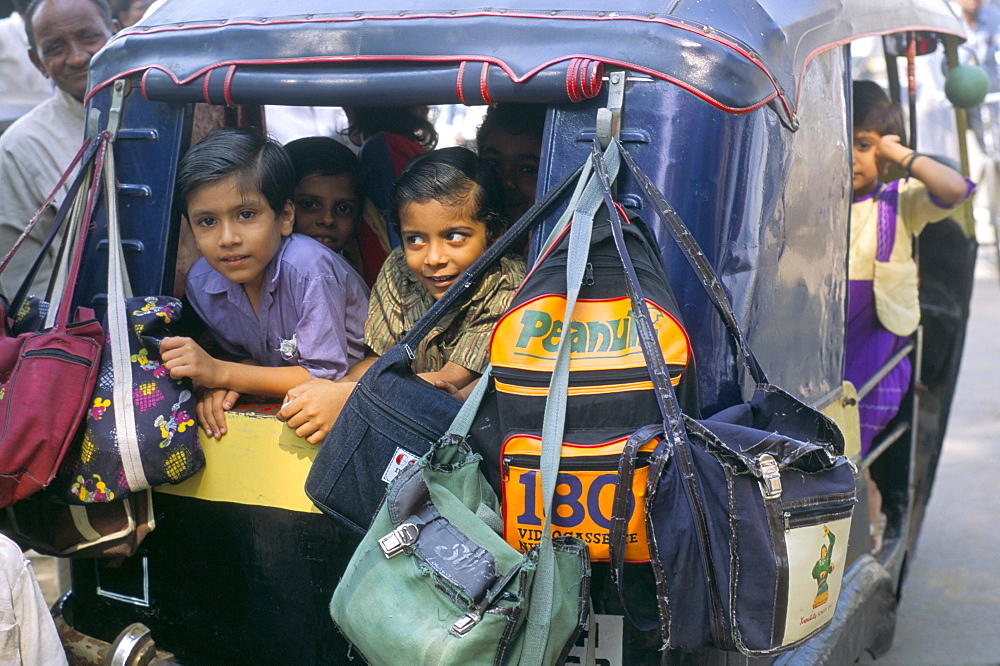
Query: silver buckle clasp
[392, 544]
[465, 623]
[770, 483]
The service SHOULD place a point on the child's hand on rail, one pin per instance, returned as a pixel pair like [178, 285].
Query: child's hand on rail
[212, 407]
[311, 408]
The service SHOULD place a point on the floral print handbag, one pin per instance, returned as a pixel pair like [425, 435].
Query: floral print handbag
[141, 428]
[162, 442]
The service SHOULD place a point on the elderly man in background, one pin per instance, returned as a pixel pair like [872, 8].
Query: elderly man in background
[63, 35]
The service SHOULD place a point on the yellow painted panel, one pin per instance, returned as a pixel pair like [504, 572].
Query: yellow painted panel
[259, 461]
[845, 412]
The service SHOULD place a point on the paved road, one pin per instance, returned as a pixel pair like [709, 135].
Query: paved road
[950, 611]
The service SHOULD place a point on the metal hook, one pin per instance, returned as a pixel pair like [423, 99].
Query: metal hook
[115, 112]
[609, 118]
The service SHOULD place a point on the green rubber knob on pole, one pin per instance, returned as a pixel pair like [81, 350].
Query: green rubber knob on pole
[966, 86]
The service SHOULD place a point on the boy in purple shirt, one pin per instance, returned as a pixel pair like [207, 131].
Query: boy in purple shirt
[282, 304]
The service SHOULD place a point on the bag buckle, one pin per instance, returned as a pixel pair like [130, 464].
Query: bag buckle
[392, 544]
[465, 623]
[770, 482]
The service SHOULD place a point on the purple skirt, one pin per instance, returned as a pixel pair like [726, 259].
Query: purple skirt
[868, 346]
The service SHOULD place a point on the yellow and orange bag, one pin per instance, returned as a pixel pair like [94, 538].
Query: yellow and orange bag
[610, 393]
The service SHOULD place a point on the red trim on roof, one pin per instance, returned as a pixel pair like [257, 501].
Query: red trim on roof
[571, 79]
[142, 85]
[484, 76]
[717, 37]
[228, 86]
[844, 42]
[606, 61]
[596, 76]
[458, 83]
[204, 87]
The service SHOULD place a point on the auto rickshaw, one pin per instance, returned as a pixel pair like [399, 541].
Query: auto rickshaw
[738, 110]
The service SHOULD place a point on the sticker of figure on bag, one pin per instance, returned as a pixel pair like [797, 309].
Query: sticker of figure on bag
[823, 568]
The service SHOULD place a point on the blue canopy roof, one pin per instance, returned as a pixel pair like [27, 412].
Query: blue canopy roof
[736, 54]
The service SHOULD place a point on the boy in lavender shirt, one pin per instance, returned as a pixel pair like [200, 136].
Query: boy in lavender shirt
[282, 304]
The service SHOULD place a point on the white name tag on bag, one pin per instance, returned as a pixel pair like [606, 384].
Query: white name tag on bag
[817, 556]
[400, 459]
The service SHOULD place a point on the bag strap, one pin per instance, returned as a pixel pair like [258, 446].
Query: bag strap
[620, 512]
[64, 212]
[72, 234]
[698, 262]
[119, 330]
[83, 154]
[676, 441]
[590, 657]
[888, 204]
[554, 420]
[459, 430]
[87, 214]
[460, 427]
[567, 215]
[493, 253]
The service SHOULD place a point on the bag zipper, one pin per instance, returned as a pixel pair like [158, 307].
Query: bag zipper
[815, 515]
[599, 263]
[539, 379]
[59, 354]
[391, 415]
[605, 463]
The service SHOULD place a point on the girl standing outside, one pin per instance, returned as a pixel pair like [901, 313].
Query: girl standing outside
[883, 303]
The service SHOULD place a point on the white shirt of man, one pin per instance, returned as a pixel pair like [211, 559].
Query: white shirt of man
[33, 153]
[20, 80]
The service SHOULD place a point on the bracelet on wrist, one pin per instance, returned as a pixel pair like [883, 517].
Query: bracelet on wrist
[908, 161]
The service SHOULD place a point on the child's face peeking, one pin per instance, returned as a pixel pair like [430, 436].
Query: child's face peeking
[866, 163]
[515, 157]
[237, 232]
[327, 209]
[440, 242]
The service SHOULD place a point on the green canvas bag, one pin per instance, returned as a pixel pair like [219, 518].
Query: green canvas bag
[433, 583]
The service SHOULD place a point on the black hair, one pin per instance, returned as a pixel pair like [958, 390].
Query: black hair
[407, 121]
[514, 118]
[323, 156]
[873, 110]
[453, 176]
[103, 8]
[119, 7]
[257, 162]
